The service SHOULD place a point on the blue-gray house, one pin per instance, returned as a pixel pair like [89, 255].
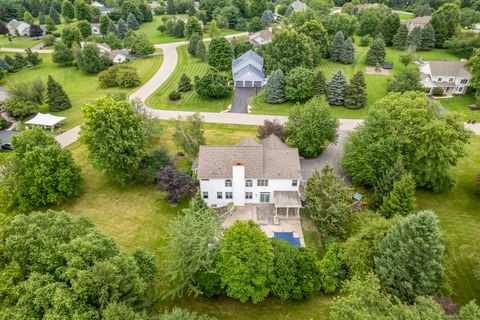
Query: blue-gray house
[247, 71]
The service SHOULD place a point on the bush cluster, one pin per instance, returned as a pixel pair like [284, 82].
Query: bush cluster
[119, 76]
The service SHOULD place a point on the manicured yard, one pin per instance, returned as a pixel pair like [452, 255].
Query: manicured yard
[190, 101]
[460, 103]
[18, 42]
[80, 86]
[405, 15]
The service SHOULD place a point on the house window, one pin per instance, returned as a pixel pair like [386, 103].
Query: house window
[228, 195]
[248, 195]
[264, 196]
[228, 183]
[439, 79]
[205, 195]
[450, 80]
[464, 81]
[248, 183]
[294, 183]
[219, 195]
[262, 183]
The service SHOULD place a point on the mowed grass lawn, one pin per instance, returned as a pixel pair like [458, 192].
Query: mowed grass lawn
[376, 84]
[137, 216]
[460, 104]
[81, 87]
[18, 42]
[190, 101]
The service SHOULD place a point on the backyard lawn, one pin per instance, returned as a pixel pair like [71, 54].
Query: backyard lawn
[18, 42]
[117, 212]
[190, 101]
[460, 103]
[80, 86]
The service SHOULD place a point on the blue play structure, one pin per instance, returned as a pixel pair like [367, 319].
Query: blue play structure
[288, 236]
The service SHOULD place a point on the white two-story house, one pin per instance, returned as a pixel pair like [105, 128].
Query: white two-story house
[452, 76]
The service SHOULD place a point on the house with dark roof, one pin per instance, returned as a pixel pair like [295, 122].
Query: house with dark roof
[259, 181]
[247, 71]
[452, 76]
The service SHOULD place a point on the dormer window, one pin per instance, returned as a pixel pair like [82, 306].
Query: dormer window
[439, 79]
[228, 183]
[248, 183]
[450, 80]
[464, 81]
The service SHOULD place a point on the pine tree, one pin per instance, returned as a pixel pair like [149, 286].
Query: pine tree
[193, 44]
[54, 15]
[201, 51]
[400, 39]
[376, 54]
[122, 28]
[428, 37]
[385, 185]
[348, 52]
[319, 84]
[185, 84]
[57, 98]
[355, 93]
[104, 23]
[414, 39]
[336, 89]
[402, 198]
[411, 254]
[112, 28]
[51, 26]
[132, 22]
[41, 18]
[336, 47]
[274, 90]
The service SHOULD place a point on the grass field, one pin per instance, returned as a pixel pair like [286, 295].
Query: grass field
[405, 16]
[376, 84]
[190, 101]
[80, 86]
[18, 42]
[460, 103]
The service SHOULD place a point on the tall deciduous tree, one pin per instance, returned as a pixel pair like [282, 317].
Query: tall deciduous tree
[274, 90]
[193, 43]
[376, 54]
[220, 54]
[57, 98]
[192, 26]
[188, 134]
[245, 262]
[336, 89]
[71, 35]
[355, 93]
[83, 11]
[315, 30]
[401, 200]
[299, 84]
[68, 10]
[407, 79]
[389, 27]
[410, 260]
[474, 65]
[446, 22]
[327, 202]
[114, 135]
[62, 54]
[428, 146]
[311, 127]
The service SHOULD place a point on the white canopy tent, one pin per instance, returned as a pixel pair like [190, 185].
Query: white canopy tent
[45, 120]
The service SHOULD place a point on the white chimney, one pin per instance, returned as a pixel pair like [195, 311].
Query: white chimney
[238, 183]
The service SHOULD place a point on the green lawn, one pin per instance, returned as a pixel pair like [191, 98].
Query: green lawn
[406, 16]
[190, 101]
[18, 42]
[376, 84]
[460, 103]
[80, 86]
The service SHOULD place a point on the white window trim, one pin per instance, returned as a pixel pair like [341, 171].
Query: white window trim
[227, 195]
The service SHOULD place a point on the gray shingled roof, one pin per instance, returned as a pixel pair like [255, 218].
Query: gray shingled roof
[269, 160]
[249, 55]
[448, 68]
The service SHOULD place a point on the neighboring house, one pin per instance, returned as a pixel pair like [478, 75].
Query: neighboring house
[18, 28]
[451, 76]
[95, 28]
[261, 181]
[261, 37]
[120, 56]
[103, 47]
[298, 5]
[247, 70]
[420, 22]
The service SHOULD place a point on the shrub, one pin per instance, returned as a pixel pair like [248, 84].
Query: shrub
[437, 91]
[176, 184]
[185, 84]
[151, 163]
[174, 96]
[299, 84]
[364, 41]
[48, 40]
[20, 108]
[119, 76]
[212, 85]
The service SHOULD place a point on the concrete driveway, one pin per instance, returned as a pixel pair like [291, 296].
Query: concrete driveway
[332, 154]
[240, 99]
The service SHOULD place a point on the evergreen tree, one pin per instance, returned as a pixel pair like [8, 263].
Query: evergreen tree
[385, 184]
[402, 198]
[337, 46]
[268, 17]
[336, 89]
[193, 44]
[274, 90]
[414, 39]
[41, 18]
[104, 23]
[376, 54]
[54, 15]
[319, 84]
[348, 52]
[201, 51]
[411, 254]
[400, 39]
[132, 22]
[112, 28]
[428, 37]
[185, 84]
[389, 27]
[57, 98]
[50, 24]
[122, 28]
[355, 93]
[68, 11]
[170, 7]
